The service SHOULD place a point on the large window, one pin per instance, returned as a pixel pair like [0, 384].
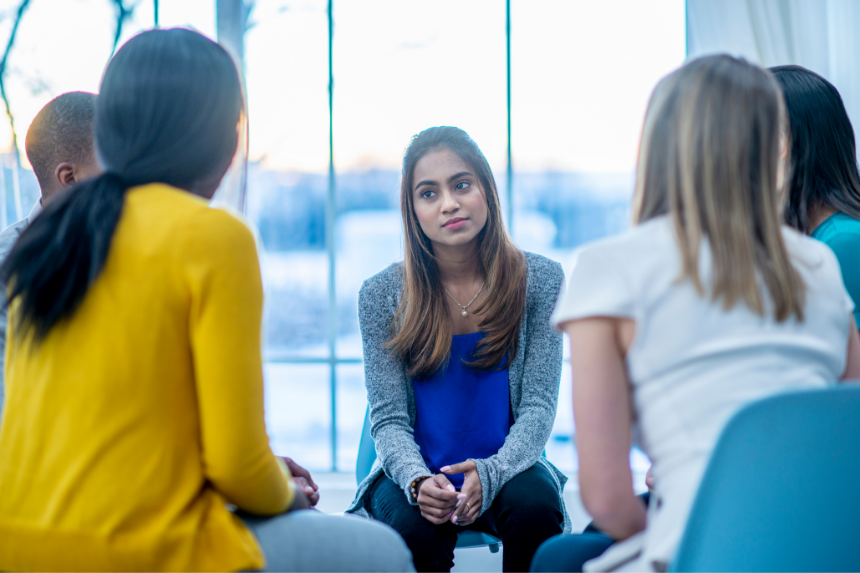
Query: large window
[553, 91]
[325, 176]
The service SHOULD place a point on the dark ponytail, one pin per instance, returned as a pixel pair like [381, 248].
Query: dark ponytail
[168, 109]
[63, 251]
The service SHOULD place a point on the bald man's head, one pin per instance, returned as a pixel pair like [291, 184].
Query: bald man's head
[59, 142]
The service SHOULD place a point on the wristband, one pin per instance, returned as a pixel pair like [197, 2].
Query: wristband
[416, 485]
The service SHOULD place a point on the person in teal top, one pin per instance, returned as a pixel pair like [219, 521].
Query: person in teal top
[841, 233]
[824, 192]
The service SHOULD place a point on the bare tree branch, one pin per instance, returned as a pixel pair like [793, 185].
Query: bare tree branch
[123, 13]
[249, 7]
[19, 14]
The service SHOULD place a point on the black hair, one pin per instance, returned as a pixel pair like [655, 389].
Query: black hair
[823, 149]
[61, 131]
[167, 111]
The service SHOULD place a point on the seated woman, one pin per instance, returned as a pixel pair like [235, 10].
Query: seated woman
[134, 411]
[706, 305]
[462, 367]
[824, 192]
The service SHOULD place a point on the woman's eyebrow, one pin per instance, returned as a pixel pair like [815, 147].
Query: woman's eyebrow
[458, 175]
[426, 182]
[450, 179]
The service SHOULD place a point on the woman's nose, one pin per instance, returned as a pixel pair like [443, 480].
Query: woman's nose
[449, 203]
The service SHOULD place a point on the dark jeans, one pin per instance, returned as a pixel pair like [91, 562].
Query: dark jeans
[570, 552]
[526, 513]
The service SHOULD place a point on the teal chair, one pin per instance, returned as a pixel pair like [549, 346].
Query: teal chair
[782, 489]
[366, 457]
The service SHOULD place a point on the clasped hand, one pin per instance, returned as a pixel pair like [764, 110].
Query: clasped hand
[305, 486]
[439, 501]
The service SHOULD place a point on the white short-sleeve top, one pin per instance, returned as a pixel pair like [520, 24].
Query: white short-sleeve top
[692, 364]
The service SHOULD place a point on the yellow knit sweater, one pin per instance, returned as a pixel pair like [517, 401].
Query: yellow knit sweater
[129, 428]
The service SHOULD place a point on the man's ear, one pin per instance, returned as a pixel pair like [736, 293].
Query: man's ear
[65, 174]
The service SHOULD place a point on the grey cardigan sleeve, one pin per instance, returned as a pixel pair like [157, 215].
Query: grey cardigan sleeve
[541, 353]
[387, 385]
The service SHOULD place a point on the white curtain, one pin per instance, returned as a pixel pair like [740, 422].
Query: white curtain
[822, 35]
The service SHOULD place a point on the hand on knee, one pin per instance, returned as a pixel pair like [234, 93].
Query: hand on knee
[437, 499]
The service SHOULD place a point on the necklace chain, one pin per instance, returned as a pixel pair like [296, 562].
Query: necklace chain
[464, 307]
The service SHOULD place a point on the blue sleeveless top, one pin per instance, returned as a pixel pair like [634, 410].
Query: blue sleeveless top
[461, 413]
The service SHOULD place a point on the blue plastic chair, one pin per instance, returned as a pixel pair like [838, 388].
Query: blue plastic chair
[364, 463]
[782, 489]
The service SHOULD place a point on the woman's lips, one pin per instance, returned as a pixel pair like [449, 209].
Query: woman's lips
[455, 223]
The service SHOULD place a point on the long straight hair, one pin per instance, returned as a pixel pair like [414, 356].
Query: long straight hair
[422, 329]
[823, 149]
[709, 158]
[168, 109]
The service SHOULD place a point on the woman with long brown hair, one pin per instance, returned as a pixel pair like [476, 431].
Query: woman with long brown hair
[706, 305]
[462, 367]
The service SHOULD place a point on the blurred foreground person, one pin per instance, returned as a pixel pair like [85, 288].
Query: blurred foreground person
[59, 147]
[706, 305]
[824, 192]
[135, 391]
[462, 367]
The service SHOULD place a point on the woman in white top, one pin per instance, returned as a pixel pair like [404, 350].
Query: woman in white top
[706, 305]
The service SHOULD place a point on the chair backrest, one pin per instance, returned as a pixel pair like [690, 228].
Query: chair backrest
[782, 489]
[366, 451]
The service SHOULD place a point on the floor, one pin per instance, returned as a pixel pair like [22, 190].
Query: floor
[337, 490]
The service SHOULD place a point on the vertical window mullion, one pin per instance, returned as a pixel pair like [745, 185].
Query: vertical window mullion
[330, 222]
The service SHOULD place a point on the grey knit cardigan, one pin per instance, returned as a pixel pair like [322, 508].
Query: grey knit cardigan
[533, 376]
